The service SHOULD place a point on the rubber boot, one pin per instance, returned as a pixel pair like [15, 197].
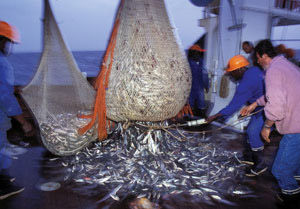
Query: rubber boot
[9, 190]
[5, 177]
[199, 112]
[291, 201]
[202, 113]
[259, 164]
[247, 158]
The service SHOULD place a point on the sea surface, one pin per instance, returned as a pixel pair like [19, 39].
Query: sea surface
[25, 64]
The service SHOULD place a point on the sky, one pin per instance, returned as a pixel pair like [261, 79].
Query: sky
[86, 24]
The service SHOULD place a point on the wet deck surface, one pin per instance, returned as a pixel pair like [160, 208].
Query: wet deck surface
[32, 169]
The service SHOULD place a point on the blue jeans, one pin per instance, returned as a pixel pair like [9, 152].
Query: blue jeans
[253, 132]
[287, 163]
[5, 161]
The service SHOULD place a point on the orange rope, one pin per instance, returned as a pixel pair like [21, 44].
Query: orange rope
[85, 116]
[101, 85]
[186, 110]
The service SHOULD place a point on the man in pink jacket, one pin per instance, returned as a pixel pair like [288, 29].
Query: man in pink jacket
[282, 108]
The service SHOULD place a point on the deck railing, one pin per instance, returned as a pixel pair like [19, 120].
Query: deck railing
[285, 5]
[291, 5]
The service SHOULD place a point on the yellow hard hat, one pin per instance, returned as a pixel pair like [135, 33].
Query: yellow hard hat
[237, 62]
[9, 32]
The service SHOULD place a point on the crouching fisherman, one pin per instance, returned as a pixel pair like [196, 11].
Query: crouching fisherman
[250, 88]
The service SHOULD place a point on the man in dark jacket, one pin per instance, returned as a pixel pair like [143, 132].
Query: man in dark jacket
[200, 81]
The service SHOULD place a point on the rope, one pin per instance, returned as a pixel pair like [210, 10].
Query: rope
[200, 132]
[101, 86]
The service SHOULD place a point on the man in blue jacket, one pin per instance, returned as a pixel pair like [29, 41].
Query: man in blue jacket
[200, 81]
[250, 87]
[9, 107]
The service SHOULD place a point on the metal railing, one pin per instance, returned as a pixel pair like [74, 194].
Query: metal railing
[212, 9]
[291, 5]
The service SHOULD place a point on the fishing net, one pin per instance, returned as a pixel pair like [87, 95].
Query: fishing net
[145, 75]
[58, 92]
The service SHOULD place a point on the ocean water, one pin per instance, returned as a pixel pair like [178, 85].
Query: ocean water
[25, 64]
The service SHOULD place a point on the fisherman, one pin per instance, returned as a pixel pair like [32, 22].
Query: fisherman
[200, 81]
[288, 53]
[248, 48]
[9, 107]
[250, 87]
[281, 107]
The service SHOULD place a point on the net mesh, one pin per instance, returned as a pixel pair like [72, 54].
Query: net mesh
[58, 92]
[145, 75]
[150, 76]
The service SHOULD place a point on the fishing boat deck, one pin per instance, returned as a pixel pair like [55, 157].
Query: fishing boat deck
[32, 169]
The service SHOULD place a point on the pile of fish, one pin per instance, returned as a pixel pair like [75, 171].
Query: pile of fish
[59, 133]
[152, 163]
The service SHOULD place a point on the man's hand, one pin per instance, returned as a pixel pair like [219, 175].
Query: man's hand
[248, 109]
[265, 133]
[213, 117]
[266, 130]
[27, 128]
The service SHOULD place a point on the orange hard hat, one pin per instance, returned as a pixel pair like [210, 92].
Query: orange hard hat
[237, 62]
[197, 48]
[9, 32]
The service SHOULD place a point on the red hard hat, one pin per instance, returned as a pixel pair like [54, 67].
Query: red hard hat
[9, 32]
[237, 62]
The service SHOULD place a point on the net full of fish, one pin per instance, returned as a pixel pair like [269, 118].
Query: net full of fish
[151, 163]
[60, 133]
